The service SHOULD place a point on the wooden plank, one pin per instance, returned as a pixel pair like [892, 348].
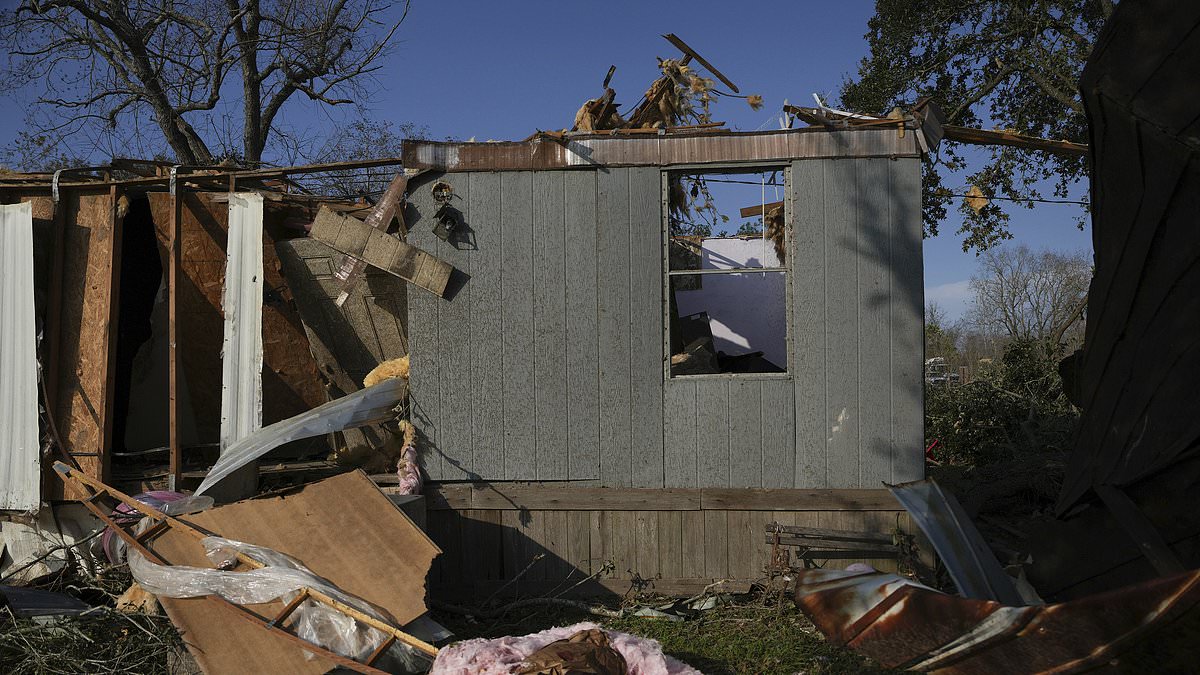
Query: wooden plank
[511, 543]
[583, 381]
[85, 368]
[516, 214]
[907, 321]
[549, 327]
[712, 433]
[842, 408]
[745, 434]
[778, 430]
[716, 548]
[800, 531]
[175, 450]
[874, 293]
[533, 555]
[571, 498]
[117, 227]
[600, 541]
[487, 279]
[355, 238]
[555, 542]
[679, 433]
[646, 322]
[807, 359]
[760, 553]
[853, 549]
[578, 551]
[648, 565]
[613, 327]
[553, 496]
[454, 354]
[829, 499]
[1141, 530]
[624, 542]
[482, 544]
[692, 544]
[741, 537]
[670, 544]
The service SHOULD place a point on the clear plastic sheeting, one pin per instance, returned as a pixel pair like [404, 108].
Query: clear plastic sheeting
[368, 406]
[166, 501]
[281, 579]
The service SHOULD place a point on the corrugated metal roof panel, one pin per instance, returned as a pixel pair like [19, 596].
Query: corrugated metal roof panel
[20, 465]
[242, 348]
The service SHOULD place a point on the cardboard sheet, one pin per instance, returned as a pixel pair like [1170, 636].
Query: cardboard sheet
[343, 528]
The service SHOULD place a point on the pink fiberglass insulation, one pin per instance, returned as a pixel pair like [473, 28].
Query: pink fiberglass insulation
[503, 656]
[409, 472]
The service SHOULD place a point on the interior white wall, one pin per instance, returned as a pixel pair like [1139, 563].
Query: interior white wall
[747, 312]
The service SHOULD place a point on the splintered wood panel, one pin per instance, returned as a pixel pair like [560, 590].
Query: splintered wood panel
[86, 310]
[291, 381]
[347, 341]
[342, 528]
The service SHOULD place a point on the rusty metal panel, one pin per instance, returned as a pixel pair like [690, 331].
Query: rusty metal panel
[902, 624]
[593, 150]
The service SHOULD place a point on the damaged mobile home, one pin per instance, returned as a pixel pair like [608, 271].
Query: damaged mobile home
[590, 385]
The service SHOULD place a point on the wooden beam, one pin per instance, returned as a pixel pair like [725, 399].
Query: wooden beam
[566, 497]
[176, 459]
[786, 499]
[1140, 529]
[759, 209]
[358, 239]
[683, 47]
[116, 223]
[985, 137]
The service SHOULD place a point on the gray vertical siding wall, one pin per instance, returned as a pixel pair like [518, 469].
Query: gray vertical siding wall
[548, 364]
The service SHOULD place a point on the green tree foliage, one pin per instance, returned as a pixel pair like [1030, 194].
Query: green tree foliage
[1010, 64]
[1014, 407]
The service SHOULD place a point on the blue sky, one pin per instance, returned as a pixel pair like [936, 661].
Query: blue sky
[500, 70]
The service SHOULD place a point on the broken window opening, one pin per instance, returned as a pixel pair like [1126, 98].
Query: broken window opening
[727, 271]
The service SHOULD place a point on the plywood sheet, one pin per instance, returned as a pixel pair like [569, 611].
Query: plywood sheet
[291, 382]
[343, 528]
[89, 238]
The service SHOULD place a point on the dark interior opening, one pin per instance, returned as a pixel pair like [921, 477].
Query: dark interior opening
[141, 277]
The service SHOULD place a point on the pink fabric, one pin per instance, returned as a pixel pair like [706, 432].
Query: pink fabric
[503, 656]
[125, 514]
[409, 472]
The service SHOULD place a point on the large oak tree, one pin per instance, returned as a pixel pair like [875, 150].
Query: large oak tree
[1010, 64]
[211, 75]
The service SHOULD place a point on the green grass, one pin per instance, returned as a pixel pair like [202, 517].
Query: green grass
[761, 637]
